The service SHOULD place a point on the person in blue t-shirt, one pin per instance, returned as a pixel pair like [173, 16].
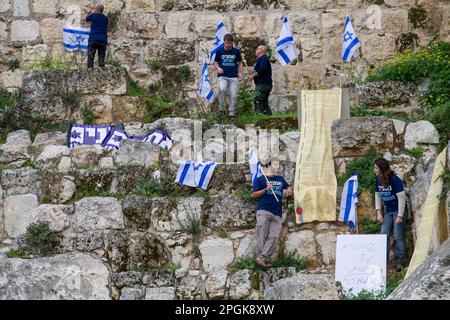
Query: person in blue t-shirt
[389, 190]
[269, 211]
[262, 75]
[230, 69]
[98, 37]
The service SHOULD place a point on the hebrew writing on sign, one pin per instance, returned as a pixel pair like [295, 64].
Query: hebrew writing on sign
[361, 262]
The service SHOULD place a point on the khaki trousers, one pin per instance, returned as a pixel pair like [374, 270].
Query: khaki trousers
[268, 227]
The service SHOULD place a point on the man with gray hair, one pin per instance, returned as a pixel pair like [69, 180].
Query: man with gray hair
[262, 75]
[269, 211]
[98, 37]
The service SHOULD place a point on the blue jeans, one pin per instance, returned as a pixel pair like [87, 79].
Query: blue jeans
[399, 234]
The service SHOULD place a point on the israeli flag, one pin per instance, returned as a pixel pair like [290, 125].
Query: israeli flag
[205, 85]
[114, 138]
[76, 38]
[349, 200]
[195, 174]
[218, 39]
[87, 134]
[350, 41]
[255, 167]
[285, 52]
[160, 138]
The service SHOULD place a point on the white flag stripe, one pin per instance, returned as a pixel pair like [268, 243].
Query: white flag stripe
[218, 39]
[285, 51]
[75, 38]
[350, 41]
[205, 85]
[349, 199]
[195, 174]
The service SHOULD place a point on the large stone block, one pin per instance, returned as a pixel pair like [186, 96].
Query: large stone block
[217, 253]
[21, 8]
[394, 20]
[215, 284]
[33, 54]
[101, 107]
[16, 147]
[5, 5]
[3, 32]
[178, 25]
[11, 79]
[378, 47]
[333, 21]
[45, 6]
[287, 79]
[138, 25]
[140, 6]
[311, 48]
[170, 53]
[327, 247]
[231, 212]
[51, 30]
[57, 216]
[206, 24]
[74, 276]
[21, 181]
[420, 132]
[240, 284]
[128, 109]
[17, 211]
[273, 23]
[376, 94]
[97, 213]
[304, 22]
[51, 156]
[304, 243]
[161, 293]
[247, 25]
[315, 4]
[137, 153]
[373, 133]
[24, 30]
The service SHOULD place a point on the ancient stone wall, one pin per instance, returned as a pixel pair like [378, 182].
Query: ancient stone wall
[178, 32]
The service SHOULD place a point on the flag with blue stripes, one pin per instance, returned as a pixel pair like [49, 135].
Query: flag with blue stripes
[255, 167]
[349, 200]
[205, 85]
[286, 52]
[76, 38]
[218, 39]
[160, 138]
[195, 174]
[114, 138]
[350, 41]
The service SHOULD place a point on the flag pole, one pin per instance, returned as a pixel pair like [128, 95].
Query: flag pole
[267, 180]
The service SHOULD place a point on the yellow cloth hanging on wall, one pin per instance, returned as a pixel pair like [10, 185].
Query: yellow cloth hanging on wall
[315, 184]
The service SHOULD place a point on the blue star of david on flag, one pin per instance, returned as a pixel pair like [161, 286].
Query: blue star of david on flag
[350, 41]
[75, 38]
[205, 85]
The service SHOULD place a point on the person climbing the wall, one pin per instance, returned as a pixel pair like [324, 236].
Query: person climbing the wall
[98, 37]
[390, 191]
[262, 76]
[269, 211]
[230, 68]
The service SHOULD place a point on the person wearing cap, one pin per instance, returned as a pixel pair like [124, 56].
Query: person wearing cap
[98, 37]
[269, 210]
[262, 76]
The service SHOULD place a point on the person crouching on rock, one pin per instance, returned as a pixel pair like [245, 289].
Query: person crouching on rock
[98, 37]
[269, 211]
[389, 190]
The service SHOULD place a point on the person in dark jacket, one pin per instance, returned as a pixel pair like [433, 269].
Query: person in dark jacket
[262, 76]
[98, 37]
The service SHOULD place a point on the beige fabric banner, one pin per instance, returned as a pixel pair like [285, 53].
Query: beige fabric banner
[429, 211]
[315, 183]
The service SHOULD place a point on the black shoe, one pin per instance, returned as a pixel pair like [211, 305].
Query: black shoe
[232, 117]
[260, 264]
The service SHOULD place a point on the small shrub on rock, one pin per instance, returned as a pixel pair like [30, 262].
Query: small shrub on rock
[40, 240]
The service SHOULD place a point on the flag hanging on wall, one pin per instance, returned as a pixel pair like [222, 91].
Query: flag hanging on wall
[349, 199]
[285, 52]
[75, 38]
[350, 41]
[195, 174]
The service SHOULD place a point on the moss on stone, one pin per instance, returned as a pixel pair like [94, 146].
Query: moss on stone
[417, 16]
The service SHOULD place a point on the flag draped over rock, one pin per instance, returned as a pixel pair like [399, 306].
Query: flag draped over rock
[195, 174]
[349, 199]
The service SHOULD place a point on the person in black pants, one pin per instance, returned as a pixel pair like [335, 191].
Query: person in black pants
[98, 37]
[262, 75]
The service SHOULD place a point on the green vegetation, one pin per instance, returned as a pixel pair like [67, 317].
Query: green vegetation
[50, 64]
[8, 99]
[445, 177]
[113, 17]
[40, 239]
[30, 164]
[241, 264]
[290, 259]
[84, 191]
[150, 188]
[430, 63]
[364, 111]
[416, 152]
[14, 64]
[244, 194]
[393, 281]
[222, 233]
[417, 16]
[154, 64]
[369, 226]
[87, 115]
[191, 225]
[184, 73]
[16, 254]
[68, 96]
[171, 266]
[364, 167]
